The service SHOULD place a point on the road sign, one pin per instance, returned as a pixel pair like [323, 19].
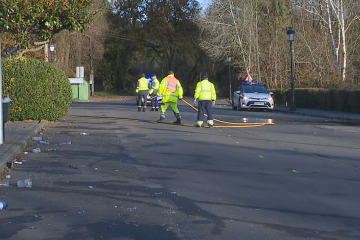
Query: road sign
[249, 78]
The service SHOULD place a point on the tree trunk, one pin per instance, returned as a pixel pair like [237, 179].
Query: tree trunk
[343, 40]
[336, 51]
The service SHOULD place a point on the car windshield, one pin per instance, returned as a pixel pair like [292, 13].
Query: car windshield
[254, 89]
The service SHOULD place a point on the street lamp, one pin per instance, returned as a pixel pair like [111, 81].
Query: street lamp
[52, 49]
[291, 38]
[230, 94]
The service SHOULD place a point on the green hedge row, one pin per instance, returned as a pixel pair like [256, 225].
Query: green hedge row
[38, 90]
[325, 99]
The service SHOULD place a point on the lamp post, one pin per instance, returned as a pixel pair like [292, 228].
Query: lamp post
[52, 49]
[1, 108]
[230, 98]
[291, 38]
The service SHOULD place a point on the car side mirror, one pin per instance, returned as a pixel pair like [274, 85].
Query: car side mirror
[271, 93]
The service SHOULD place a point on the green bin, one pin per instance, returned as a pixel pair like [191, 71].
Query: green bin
[6, 112]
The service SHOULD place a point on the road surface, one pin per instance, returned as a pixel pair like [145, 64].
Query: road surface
[138, 180]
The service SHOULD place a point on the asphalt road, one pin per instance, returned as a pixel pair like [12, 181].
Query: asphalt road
[136, 180]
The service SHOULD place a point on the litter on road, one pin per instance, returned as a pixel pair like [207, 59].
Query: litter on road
[36, 150]
[25, 183]
[3, 205]
[4, 184]
[72, 166]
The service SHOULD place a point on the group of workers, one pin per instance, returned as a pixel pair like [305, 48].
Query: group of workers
[170, 91]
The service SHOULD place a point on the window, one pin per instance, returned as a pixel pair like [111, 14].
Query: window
[254, 89]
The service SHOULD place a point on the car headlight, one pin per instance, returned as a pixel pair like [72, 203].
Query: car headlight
[270, 98]
[245, 97]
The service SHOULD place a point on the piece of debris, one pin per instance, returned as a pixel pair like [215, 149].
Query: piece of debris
[25, 183]
[36, 150]
[72, 166]
[3, 205]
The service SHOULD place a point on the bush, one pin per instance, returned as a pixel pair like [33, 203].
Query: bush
[38, 90]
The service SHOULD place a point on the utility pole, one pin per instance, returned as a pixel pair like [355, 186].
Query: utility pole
[1, 108]
[91, 70]
[230, 93]
[291, 38]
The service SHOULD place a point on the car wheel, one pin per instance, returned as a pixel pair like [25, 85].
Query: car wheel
[233, 106]
[239, 106]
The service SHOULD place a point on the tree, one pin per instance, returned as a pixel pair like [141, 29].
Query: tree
[153, 33]
[33, 22]
[87, 45]
[249, 31]
[339, 16]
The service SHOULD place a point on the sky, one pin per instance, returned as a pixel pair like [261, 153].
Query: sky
[204, 3]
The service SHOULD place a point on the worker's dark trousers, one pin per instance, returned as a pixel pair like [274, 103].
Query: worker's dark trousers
[204, 107]
[142, 98]
[154, 102]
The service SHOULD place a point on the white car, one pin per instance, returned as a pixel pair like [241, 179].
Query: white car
[252, 96]
[148, 100]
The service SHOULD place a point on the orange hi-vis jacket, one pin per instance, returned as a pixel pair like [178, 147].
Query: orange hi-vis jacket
[170, 89]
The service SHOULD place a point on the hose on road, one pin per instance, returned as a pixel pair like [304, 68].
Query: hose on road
[232, 125]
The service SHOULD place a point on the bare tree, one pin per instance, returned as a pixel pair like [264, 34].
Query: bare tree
[338, 15]
[75, 49]
[230, 29]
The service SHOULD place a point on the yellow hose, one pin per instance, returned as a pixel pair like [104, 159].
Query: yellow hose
[220, 121]
[237, 125]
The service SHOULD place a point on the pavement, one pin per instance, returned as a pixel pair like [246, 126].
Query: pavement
[18, 135]
[332, 115]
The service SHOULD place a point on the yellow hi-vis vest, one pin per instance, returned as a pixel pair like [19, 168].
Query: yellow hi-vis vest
[143, 84]
[205, 90]
[155, 85]
[167, 95]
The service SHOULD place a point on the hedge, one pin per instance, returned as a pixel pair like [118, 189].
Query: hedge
[38, 90]
[324, 99]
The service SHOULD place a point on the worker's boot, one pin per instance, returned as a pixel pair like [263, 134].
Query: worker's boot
[152, 109]
[162, 117]
[139, 109]
[157, 109]
[144, 109]
[178, 118]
